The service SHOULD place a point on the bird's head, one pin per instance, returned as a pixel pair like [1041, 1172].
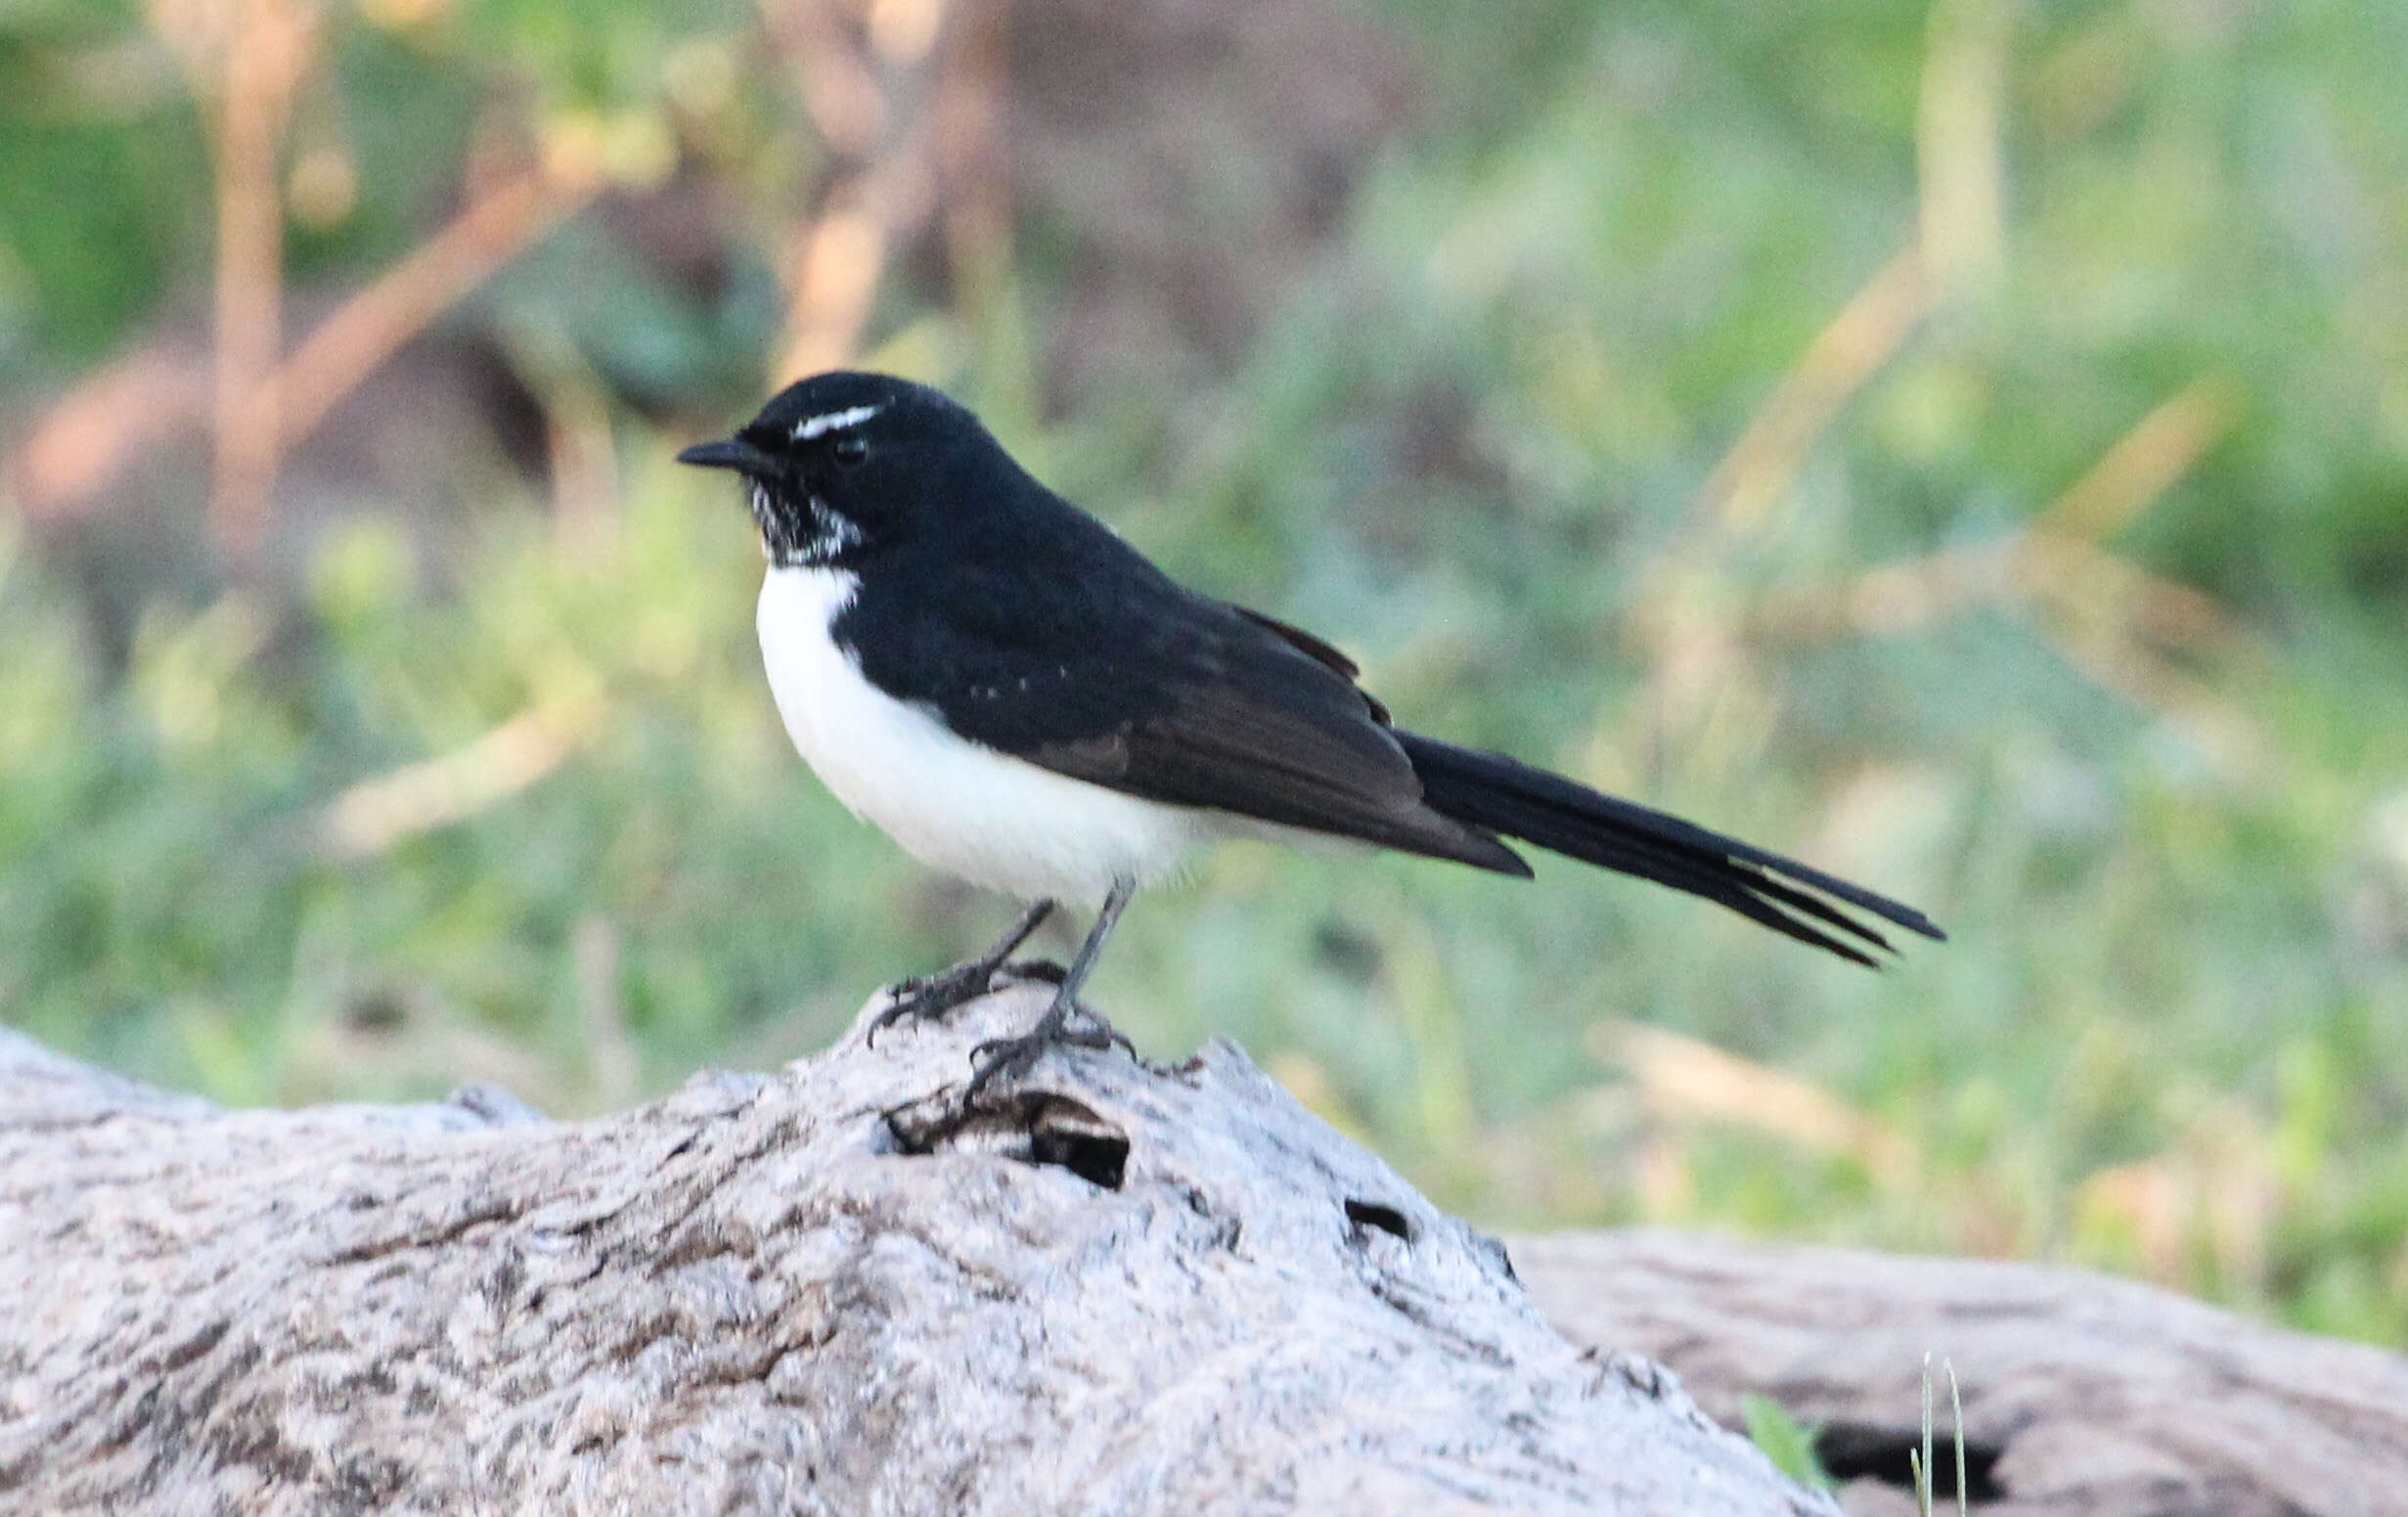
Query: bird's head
[839, 465]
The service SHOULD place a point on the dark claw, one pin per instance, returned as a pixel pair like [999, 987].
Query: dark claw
[1001, 1057]
[998, 1058]
[931, 996]
[939, 995]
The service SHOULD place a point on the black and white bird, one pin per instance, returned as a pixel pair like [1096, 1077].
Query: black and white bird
[1020, 698]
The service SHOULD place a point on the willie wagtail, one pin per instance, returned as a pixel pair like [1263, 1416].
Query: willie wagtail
[1020, 698]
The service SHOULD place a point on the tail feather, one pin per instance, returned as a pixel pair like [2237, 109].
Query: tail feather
[1507, 796]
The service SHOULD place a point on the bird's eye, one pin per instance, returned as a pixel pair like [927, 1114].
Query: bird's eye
[850, 451]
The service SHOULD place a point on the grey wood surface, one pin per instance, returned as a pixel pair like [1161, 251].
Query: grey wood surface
[1132, 1292]
[2084, 1396]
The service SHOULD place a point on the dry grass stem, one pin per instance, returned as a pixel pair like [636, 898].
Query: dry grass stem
[886, 95]
[2100, 642]
[837, 84]
[2216, 1197]
[369, 327]
[968, 151]
[837, 261]
[1867, 333]
[1957, 153]
[2145, 462]
[582, 452]
[87, 434]
[245, 56]
[1896, 597]
[1684, 1079]
[613, 1066]
[69, 455]
[2107, 616]
[1685, 616]
[375, 815]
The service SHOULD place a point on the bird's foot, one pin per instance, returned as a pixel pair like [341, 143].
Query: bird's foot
[1005, 1059]
[932, 996]
[921, 1126]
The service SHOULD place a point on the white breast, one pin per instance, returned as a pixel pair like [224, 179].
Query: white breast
[985, 816]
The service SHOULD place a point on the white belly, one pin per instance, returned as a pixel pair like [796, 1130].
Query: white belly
[987, 817]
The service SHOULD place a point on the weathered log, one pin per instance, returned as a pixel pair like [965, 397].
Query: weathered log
[1128, 1291]
[2083, 1397]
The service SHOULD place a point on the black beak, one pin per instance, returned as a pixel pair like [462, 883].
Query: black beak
[734, 452]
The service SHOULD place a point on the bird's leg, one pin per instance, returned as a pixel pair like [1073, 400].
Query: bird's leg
[935, 995]
[1004, 1056]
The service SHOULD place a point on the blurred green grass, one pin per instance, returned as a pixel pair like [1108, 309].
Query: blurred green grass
[1476, 442]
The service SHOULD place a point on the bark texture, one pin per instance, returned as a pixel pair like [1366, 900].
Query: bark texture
[2083, 1395]
[1128, 1291]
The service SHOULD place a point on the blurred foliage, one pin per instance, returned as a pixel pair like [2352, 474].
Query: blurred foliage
[2157, 785]
[1789, 1447]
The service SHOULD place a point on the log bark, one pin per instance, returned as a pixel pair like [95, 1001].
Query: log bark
[2081, 1394]
[1122, 1291]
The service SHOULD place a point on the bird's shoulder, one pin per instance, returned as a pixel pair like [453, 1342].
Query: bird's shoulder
[1034, 645]
[1033, 622]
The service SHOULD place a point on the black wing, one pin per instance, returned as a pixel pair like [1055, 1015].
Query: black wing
[1512, 799]
[1105, 670]
[1127, 681]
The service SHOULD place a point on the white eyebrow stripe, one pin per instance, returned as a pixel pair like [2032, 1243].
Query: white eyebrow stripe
[835, 421]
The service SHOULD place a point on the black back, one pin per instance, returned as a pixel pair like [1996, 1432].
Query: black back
[1030, 627]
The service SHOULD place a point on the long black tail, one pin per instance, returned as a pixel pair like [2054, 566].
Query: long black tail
[1504, 795]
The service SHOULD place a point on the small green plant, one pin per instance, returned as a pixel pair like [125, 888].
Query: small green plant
[1790, 1447]
[1922, 1462]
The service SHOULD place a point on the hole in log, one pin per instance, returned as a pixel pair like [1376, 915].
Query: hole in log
[1095, 1157]
[1067, 1136]
[1848, 1450]
[1371, 1213]
[1036, 1129]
